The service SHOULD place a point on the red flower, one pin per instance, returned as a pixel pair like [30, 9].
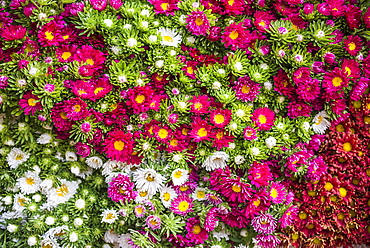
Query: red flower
[263, 118]
[119, 146]
[13, 32]
[30, 103]
[353, 44]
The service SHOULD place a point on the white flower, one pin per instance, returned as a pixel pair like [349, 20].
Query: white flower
[116, 50]
[216, 85]
[255, 151]
[159, 63]
[320, 122]
[16, 157]
[148, 180]
[179, 176]
[145, 12]
[190, 39]
[215, 161]
[153, 38]
[30, 183]
[9, 142]
[199, 194]
[32, 71]
[49, 220]
[244, 233]
[222, 234]
[108, 22]
[270, 142]
[62, 193]
[71, 156]
[31, 241]
[94, 162]
[80, 204]
[239, 159]
[238, 66]
[169, 37]
[78, 222]
[75, 170]
[280, 99]
[232, 145]
[20, 202]
[109, 216]
[50, 243]
[110, 236]
[125, 241]
[268, 85]
[73, 237]
[7, 200]
[131, 42]
[306, 126]
[127, 26]
[167, 194]
[143, 196]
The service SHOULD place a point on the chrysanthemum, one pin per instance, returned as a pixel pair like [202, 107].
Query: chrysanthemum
[16, 157]
[167, 194]
[30, 183]
[353, 44]
[179, 176]
[148, 180]
[235, 190]
[109, 216]
[289, 216]
[201, 131]
[259, 174]
[277, 193]
[30, 103]
[200, 104]
[249, 133]
[308, 90]
[63, 192]
[20, 201]
[49, 34]
[320, 122]
[195, 233]
[139, 98]
[118, 146]
[220, 117]
[64, 53]
[264, 223]
[169, 37]
[182, 205]
[267, 241]
[263, 118]
[162, 133]
[122, 189]
[216, 161]
[87, 55]
[153, 222]
[197, 23]
[246, 90]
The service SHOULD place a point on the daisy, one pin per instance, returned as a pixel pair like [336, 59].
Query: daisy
[167, 194]
[169, 37]
[109, 216]
[264, 223]
[148, 180]
[16, 157]
[221, 117]
[19, 202]
[30, 183]
[62, 193]
[215, 161]
[277, 193]
[320, 122]
[153, 222]
[197, 23]
[199, 194]
[179, 176]
[182, 205]
[263, 118]
[143, 195]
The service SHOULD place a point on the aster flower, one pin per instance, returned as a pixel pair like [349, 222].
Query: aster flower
[335, 80]
[169, 37]
[266, 241]
[197, 23]
[121, 189]
[118, 146]
[13, 32]
[195, 233]
[148, 180]
[264, 223]
[199, 194]
[263, 118]
[139, 98]
[167, 7]
[246, 90]
[309, 89]
[259, 174]
[182, 205]
[30, 103]
[220, 117]
[234, 36]
[200, 104]
[277, 193]
[351, 68]
[320, 122]
[167, 194]
[153, 222]
[109, 216]
[235, 190]
[16, 157]
[201, 131]
[353, 44]
[62, 193]
[89, 56]
[297, 109]
[75, 109]
[30, 183]
[263, 20]
[179, 176]
[139, 211]
[216, 161]
[250, 133]
[49, 34]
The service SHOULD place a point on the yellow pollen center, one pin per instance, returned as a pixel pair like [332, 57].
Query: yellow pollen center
[231, 2]
[140, 98]
[174, 142]
[199, 21]
[139, 210]
[143, 193]
[119, 145]
[65, 37]
[262, 23]
[122, 191]
[257, 202]
[351, 46]
[219, 119]
[236, 188]
[77, 108]
[30, 181]
[168, 38]
[31, 102]
[200, 194]
[246, 89]
[319, 120]
[342, 192]
[162, 133]
[90, 61]
[153, 222]
[348, 70]
[202, 132]
[22, 201]
[340, 128]
[190, 70]
[197, 229]
[183, 206]
[66, 55]
[262, 119]
[97, 90]
[198, 105]
[328, 186]
[184, 188]
[49, 35]
[302, 215]
[347, 147]
[150, 178]
[63, 115]
[164, 6]
[337, 81]
[166, 196]
[177, 174]
[18, 157]
[109, 216]
[62, 190]
[340, 216]
[273, 193]
[234, 35]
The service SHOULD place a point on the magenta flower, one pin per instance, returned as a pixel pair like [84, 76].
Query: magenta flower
[122, 189]
[264, 223]
[197, 23]
[30, 103]
[13, 32]
[118, 146]
[182, 205]
[267, 241]
[246, 90]
[196, 233]
[289, 216]
[153, 222]
[277, 193]
[263, 118]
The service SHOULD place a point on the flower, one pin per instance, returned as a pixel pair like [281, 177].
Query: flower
[109, 216]
[277, 193]
[30, 103]
[221, 117]
[320, 122]
[153, 222]
[169, 37]
[164, 6]
[289, 216]
[353, 44]
[195, 233]
[140, 211]
[16, 157]
[201, 131]
[122, 189]
[167, 194]
[234, 36]
[259, 174]
[267, 241]
[235, 190]
[182, 205]
[200, 104]
[246, 90]
[62, 193]
[197, 23]
[13, 32]
[118, 146]
[249, 133]
[30, 183]
[199, 194]
[263, 118]
[148, 180]
[264, 223]
[179, 176]
[216, 161]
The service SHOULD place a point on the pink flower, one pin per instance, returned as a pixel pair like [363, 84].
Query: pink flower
[13, 32]
[75, 109]
[82, 149]
[98, 4]
[182, 205]
[197, 23]
[297, 109]
[316, 168]
[50, 35]
[140, 98]
[30, 103]
[267, 241]
[263, 118]
[153, 222]
[195, 233]
[353, 44]
[235, 190]
[60, 119]
[119, 146]
[264, 223]
[263, 20]
[220, 117]
[277, 193]
[246, 90]
[289, 216]
[167, 7]
[201, 130]
[259, 174]
[200, 104]
[234, 36]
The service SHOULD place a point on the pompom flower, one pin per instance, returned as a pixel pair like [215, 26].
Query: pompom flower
[263, 118]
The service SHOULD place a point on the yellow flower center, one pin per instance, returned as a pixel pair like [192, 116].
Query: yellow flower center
[219, 119]
[262, 23]
[65, 37]
[336, 81]
[234, 35]
[302, 215]
[63, 115]
[164, 6]
[168, 38]
[49, 35]
[328, 186]
[367, 120]
[199, 21]
[295, 236]
[140, 98]
[257, 202]
[198, 105]
[231, 2]
[162, 133]
[66, 55]
[340, 128]
[219, 135]
[97, 90]
[30, 181]
[143, 193]
[200, 194]
[77, 108]
[202, 132]
[174, 142]
[273, 193]
[340, 216]
[121, 191]
[183, 206]
[119, 145]
[177, 174]
[62, 190]
[197, 229]
[246, 89]
[139, 210]
[236, 188]
[190, 70]
[90, 61]
[154, 222]
[351, 46]
[31, 102]
[310, 226]
[319, 120]
[22, 201]
[342, 192]
[348, 70]
[262, 119]
[109, 216]
[347, 147]
[166, 196]
[184, 188]
[149, 178]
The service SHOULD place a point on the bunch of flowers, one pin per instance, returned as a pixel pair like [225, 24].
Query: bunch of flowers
[167, 123]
